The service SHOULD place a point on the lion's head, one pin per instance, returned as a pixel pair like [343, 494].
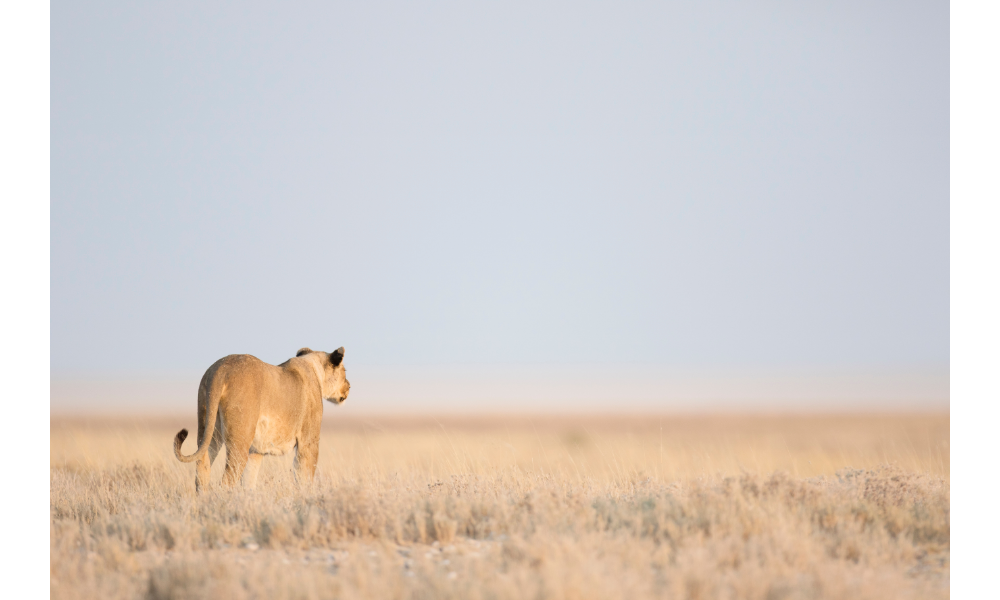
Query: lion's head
[336, 386]
[334, 381]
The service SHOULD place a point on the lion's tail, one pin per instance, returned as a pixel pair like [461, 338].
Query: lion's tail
[214, 397]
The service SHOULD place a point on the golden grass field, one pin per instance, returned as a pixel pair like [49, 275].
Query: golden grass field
[756, 507]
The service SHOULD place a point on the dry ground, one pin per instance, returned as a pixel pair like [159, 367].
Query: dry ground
[656, 507]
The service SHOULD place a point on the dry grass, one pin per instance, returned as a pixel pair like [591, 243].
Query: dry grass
[693, 507]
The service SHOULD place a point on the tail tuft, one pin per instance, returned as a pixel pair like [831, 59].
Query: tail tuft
[178, 440]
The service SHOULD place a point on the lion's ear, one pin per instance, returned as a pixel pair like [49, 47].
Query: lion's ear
[337, 356]
[303, 351]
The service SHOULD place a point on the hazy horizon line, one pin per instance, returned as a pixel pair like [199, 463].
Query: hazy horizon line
[573, 388]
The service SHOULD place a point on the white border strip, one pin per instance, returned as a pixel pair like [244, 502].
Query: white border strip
[24, 248]
[975, 301]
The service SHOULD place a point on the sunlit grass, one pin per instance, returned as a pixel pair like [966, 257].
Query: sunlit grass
[694, 507]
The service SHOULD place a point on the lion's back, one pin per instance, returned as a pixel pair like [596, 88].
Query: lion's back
[243, 371]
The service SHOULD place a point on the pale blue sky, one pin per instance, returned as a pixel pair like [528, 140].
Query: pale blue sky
[698, 183]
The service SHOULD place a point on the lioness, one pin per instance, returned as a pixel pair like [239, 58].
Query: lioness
[255, 409]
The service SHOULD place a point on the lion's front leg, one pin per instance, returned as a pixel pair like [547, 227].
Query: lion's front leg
[306, 457]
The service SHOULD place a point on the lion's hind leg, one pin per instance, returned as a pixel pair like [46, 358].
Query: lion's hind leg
[237, 454]
[253, 467]
[204, 463]
[215, 445]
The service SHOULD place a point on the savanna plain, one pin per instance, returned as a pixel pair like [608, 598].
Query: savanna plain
[688, 507]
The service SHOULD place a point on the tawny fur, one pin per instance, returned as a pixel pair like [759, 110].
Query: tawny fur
[255, 409]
